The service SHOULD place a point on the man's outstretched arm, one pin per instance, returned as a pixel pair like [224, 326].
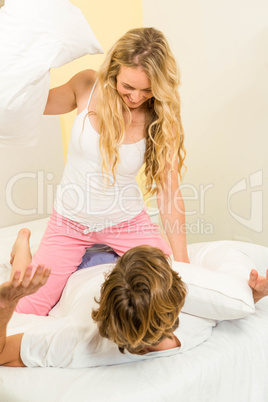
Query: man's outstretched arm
[10, 293]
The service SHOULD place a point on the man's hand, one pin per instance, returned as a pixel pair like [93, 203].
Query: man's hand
[12, 291]
[259, 285]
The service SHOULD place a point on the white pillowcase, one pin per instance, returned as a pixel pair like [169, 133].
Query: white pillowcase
[217, 281]
[36, 35]
[219, 291]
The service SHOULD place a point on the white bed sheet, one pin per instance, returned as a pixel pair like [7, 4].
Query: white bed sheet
[232, 365]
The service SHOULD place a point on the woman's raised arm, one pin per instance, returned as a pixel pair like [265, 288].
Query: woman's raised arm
[64, 99]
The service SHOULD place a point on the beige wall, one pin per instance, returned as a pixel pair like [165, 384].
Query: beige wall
[109, 20]
[221, 48]
[29, 176]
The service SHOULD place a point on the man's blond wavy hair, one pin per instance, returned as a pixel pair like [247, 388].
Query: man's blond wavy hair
[140, 300]
[146, 48]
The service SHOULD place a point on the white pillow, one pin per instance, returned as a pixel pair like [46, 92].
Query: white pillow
[36, 35]
[219, 291]
[212, 253]
[217, 281]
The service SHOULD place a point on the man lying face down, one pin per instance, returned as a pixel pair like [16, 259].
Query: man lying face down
[138, 309]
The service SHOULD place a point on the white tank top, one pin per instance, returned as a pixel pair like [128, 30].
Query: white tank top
[83, 195]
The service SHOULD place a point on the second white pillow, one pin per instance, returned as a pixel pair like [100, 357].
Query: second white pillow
[217, 281]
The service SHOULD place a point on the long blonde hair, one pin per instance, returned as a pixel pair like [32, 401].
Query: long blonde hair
[146, 48]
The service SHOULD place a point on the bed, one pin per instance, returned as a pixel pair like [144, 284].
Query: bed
[230, 365]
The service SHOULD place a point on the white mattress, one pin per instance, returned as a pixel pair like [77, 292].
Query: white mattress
[232, 365]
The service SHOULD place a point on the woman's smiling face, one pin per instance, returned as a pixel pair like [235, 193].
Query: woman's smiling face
[134, 86]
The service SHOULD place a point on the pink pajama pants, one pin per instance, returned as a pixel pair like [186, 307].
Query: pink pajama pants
[64, 244]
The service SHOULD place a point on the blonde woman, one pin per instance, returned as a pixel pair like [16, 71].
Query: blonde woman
[128, 114]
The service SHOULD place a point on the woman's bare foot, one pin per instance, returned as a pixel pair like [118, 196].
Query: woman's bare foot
[23, 239]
